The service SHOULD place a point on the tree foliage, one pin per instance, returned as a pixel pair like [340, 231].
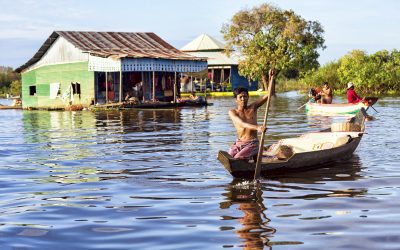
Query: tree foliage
[7, 77]
[15, 88]
[371, 73]
[268, 37]
[317, 77]
[375, 73]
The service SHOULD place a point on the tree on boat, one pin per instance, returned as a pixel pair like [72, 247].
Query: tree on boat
[268, 37]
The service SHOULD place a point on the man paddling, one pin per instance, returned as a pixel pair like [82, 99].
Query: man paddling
[244, 118]
[352, 96]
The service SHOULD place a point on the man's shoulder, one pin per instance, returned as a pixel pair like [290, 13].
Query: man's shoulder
[252, 106]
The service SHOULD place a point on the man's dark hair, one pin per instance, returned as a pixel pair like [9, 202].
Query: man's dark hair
[239, 90]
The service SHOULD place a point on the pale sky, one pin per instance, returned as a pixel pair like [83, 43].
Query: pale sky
[369, 25]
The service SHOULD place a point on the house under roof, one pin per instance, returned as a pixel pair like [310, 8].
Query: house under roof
[222, 69]
[86, 68]
[207, 46]
[113, 44]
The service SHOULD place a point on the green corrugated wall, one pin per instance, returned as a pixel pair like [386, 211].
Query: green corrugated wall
[64, 74]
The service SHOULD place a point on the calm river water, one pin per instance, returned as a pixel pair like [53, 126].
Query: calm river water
[149, 179]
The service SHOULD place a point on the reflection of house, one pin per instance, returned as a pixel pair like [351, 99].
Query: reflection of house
[84, 68]
[221, 68]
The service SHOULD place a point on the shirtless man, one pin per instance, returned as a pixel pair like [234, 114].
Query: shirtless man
[244, 118]
[327, 94]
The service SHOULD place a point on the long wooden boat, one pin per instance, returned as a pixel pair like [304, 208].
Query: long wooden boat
[312, 150]
[339, 108]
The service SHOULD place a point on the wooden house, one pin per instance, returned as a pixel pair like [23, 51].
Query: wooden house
[89, 68]
[222, 70]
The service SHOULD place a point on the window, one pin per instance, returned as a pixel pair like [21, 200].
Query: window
[76, 88]
[32, 90]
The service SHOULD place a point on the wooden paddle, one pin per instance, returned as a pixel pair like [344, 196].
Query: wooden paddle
[261, 148]
[302, 106]
[370, 101]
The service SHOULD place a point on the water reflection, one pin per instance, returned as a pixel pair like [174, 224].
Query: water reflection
[318, 122]
[121, 179]
[345, 170]
[254, 232]
[250, 199]
[133, 142]
[140, 120]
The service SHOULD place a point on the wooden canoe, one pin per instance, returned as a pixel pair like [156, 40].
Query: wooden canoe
[308, 159]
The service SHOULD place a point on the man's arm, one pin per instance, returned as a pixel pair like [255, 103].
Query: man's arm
[258, 103]
[237, 121]
[262, 100]
[357, 97]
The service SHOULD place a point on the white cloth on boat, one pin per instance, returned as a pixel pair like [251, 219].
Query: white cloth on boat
[314, 141]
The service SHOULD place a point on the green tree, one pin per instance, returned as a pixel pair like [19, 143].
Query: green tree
[267, 37]
[367, 72]
[327, 73]
[376, 73]
[15, 88]
[7, 76]
[393, 68]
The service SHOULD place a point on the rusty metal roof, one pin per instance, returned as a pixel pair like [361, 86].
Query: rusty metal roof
[114, 44]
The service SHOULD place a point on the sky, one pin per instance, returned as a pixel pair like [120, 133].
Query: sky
[368, 25]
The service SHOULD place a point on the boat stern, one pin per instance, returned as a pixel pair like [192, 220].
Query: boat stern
[224, 157]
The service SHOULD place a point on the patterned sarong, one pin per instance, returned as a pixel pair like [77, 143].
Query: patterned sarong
[244, 150]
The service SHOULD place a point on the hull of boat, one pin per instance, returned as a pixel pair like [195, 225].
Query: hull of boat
[327, 109]
[298, 162]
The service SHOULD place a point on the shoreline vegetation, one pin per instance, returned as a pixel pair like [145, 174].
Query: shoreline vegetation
[375, 74]
[10, 82]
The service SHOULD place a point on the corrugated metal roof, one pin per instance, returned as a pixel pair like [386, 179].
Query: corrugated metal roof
[203, 42]
[206, 46]
[216, 58]
[114, 44]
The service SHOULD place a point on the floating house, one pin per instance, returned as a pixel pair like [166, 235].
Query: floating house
[222, 70]
[90, 68]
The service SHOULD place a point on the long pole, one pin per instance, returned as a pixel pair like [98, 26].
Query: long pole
[175, 87]
[154, 86]
[260, 149]
[106, 89]
[120, 85]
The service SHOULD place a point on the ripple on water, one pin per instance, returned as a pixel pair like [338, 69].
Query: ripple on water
[149, 179]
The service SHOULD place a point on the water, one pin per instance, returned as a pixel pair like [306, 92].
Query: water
[149, 179]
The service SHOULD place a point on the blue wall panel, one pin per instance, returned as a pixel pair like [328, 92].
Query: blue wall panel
[240, 81]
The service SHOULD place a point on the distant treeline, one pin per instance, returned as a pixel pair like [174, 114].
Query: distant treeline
[10, 81]
[377, 73]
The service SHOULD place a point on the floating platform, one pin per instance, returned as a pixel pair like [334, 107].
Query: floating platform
[152, 105]
[10, 107]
